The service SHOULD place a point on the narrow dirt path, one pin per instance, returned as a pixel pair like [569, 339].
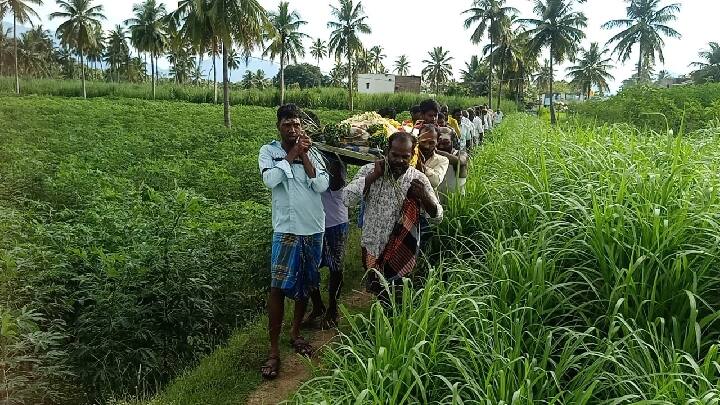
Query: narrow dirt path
[293, 369]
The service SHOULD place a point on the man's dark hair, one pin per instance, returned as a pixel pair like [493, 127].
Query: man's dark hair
[288, 111]
[456, 111]
[401, 135]
[414, 109]
[429, 105]
[441, 116]
[387, 112]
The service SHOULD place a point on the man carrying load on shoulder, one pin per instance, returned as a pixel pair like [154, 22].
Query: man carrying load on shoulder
[473, 129]
[479, 126]
[459, 116]
[395, 196]
[452, 120]
[333, 251]
[297, 179]
[456, 176]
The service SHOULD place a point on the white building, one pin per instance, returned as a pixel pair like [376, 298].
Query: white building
[376, 83]
[387, 83]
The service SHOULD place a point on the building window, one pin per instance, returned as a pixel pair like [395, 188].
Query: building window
[367, 86]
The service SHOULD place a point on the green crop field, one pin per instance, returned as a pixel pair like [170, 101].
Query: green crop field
[134, 237]
[581, 268]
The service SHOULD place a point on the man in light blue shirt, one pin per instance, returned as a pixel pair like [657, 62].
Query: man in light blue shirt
[297, 178]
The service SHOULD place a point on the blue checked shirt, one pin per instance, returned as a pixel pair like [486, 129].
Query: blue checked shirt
[296, 199]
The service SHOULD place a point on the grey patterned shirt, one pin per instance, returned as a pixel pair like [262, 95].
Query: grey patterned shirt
[383, 203]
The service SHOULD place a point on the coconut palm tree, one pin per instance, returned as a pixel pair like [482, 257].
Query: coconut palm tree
[544, 77]
[508, 50]
[663, 75]
[708, 70]
[234, 60]
[236, 22]
[521, 71]
[180, 53]
[402, 65]
[363, 62]
[148, 32]
[198, 29]
[285, 39]
[247, 80]
[592, 69]
[350, 21]
[318, 50]
[22, 13]
[95, 51]
[376, 58]
[260, 81]
[338, 72]
[559, 28]
[117, 51]
[4, 37]
[488, 16]
[475, 76]
[36, 53]
[645, 25]
[80, 28]
[438, 69]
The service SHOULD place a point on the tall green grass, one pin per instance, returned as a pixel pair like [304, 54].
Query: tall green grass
[581, 267]
[686, 108]
[325, 98]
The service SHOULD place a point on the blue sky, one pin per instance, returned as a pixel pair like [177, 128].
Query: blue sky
[413, 27]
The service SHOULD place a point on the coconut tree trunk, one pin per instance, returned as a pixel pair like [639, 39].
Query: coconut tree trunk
[282, 75]
[553, 119]
[215, 86]
[17, 73]
[226, 87]
[152, 73]
[500, 83]
[639, 77]
[1, 59]
[350, 81]
[82, 72]
[492, 62]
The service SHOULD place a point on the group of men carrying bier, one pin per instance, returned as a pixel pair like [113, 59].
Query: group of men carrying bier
[310, 200]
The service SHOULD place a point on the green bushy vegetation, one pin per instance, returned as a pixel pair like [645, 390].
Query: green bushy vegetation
[686, 108]
[134, 237]
[325, 98]
[580, 268]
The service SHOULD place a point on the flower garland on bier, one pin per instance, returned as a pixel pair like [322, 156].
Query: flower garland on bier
[359, 139]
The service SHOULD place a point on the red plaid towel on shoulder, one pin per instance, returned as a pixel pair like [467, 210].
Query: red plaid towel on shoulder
[400, 254]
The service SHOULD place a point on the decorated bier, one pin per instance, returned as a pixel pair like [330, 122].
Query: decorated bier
[358, 140]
